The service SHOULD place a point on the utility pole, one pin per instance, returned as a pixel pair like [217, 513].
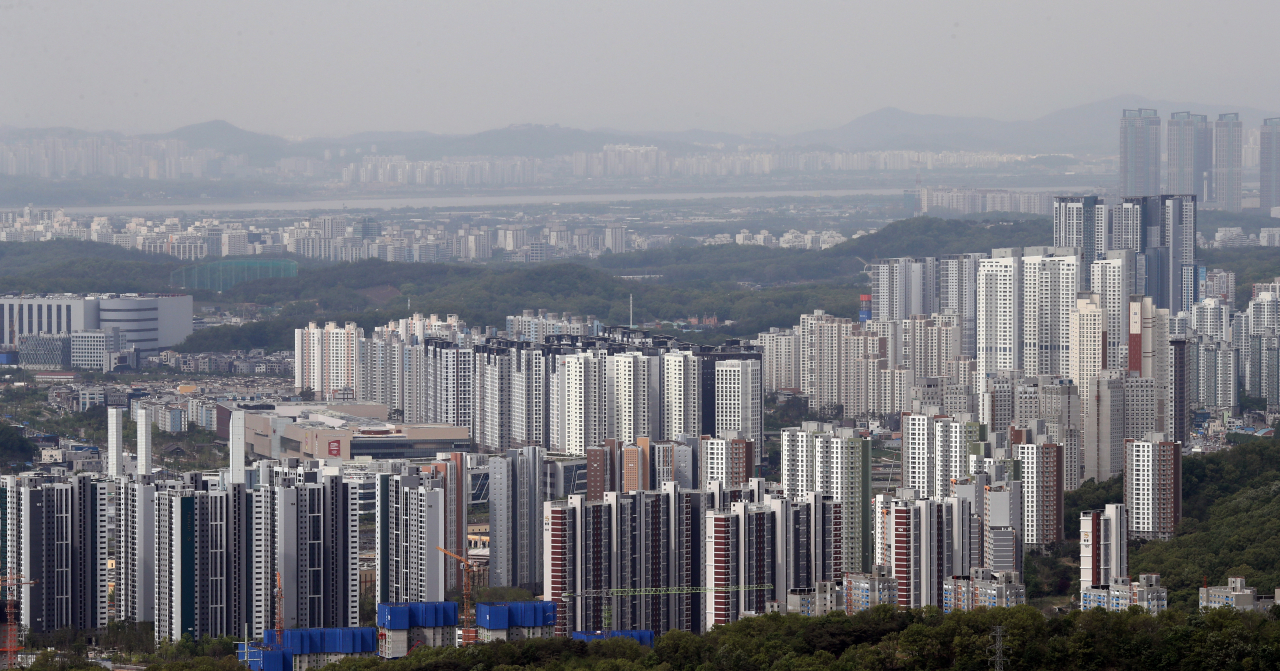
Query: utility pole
[631, 302]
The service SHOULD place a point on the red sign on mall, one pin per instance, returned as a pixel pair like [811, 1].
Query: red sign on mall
[335, 448]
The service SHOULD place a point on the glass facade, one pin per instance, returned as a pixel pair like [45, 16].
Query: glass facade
[222, 275]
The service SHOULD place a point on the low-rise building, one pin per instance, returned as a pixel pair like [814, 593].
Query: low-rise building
[864, 591]
[1122, 593]
[983, 589]
[405, 626]
[1236, 594]
[815, 601]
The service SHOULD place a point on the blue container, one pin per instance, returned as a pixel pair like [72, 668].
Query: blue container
[642, 636]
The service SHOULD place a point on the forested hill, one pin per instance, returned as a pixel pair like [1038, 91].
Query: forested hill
[882, 639]
[77, 266]
[485, 295]
[922, 236]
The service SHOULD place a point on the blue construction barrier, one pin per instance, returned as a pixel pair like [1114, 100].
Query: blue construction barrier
[397, 616]
[515, 614]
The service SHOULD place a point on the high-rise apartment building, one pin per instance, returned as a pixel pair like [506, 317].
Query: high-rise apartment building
[1042, 490]
[903, 287]
[780, 359]
[681, 398]
[1228, 161]
[1081, 222]
[1153, 487]
[1190, 150]
[1104, 546]
[957, 286]
[56, 532]
[1178, 234]
[204, 561]
[1088, 346]
[1049, 288]
[306, 530]
[822, 360]
[1139, 153]
[742, 546]
[1112, 281]
[515, 501]
[998, 332]
[820, 458]
[135, 550]
[727, 461]
[328, 360]
[739, 406]
[1269, 164]
[410, 523]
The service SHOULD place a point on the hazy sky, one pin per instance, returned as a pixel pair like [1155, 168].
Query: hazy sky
[328, 68]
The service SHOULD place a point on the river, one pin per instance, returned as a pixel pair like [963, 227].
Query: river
[482, 201]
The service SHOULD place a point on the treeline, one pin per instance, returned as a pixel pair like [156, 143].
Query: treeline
[78, 266]
[921, 236]
[883, 638]
[485, 296]
[1250, 264]
[15, 449]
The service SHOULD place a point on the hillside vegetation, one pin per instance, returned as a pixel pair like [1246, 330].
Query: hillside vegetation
[883, 638]
[485, 295]
[1230, 524]
[78, 266]
[922, 236]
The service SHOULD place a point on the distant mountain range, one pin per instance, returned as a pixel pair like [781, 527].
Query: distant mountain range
[1086, 129]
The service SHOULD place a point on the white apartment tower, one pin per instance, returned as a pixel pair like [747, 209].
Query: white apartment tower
[780, 359]
[633, 380]
[328, 359]
[1081, 222]
[115, 442]
[1112, 279]
[680, 398]
[957, 282]
[903, 287]
[999, 318]
[1049, 288]
[739, 406]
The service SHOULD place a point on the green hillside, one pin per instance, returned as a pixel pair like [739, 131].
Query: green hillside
[881, 639]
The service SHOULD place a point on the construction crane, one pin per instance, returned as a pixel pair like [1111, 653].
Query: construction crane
[10, 584]
[466, 619]
[278, 593]
[648, 591]
[279, 612]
